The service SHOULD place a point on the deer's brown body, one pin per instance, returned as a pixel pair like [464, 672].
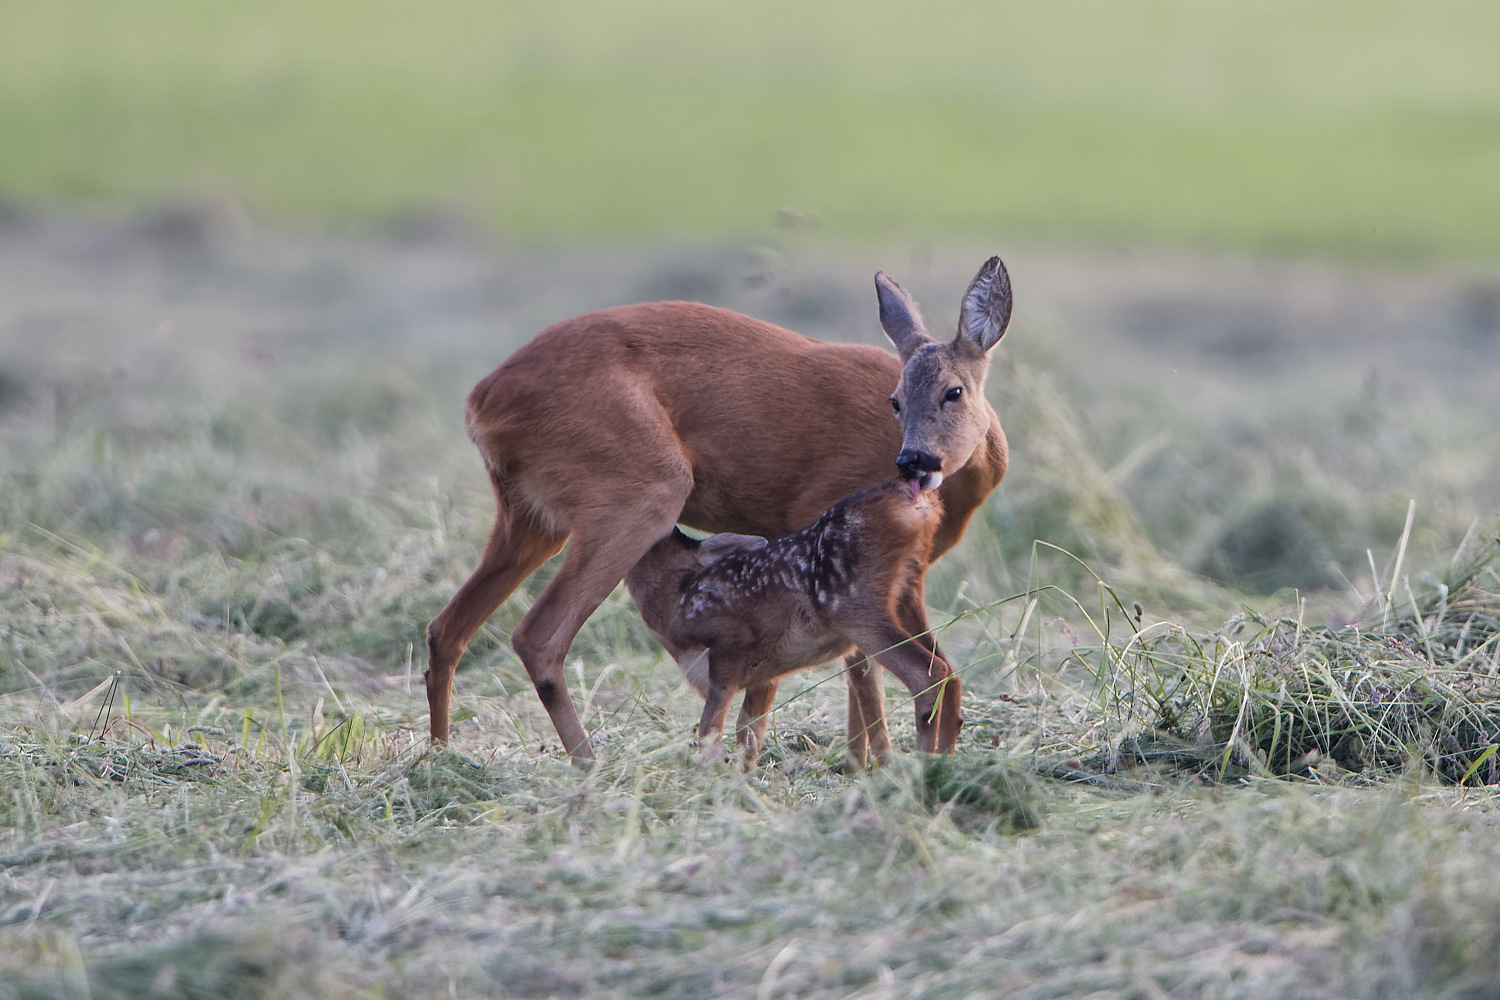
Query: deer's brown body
[611, 427]
[761, 610]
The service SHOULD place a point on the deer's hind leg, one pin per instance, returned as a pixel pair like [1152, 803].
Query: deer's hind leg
[607, 540]
[517, 546]
[711, 724]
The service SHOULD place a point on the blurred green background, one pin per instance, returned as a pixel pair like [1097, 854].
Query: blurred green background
[1354, 126]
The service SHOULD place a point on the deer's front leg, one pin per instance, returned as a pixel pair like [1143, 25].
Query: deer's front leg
[711, 723]
[934, 686]
[869, 736]
[754, 717]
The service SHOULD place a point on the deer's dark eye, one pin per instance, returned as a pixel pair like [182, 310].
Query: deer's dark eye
[952, 395]
[896, 406]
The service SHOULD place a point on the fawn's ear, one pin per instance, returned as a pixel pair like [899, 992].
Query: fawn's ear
[715, 547]
[987, 304]
[899, 317]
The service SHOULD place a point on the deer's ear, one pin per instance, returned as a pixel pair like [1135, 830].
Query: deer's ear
[986, 308]
[899, 317]
[716, 547]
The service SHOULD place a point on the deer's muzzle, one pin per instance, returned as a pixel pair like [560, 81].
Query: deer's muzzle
[920, 469]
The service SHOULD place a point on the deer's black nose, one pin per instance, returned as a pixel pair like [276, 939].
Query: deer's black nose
[914, 463]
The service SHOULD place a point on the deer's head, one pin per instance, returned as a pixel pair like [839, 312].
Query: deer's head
[940, 398]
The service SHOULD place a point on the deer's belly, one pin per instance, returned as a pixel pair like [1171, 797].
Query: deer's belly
[805, 644]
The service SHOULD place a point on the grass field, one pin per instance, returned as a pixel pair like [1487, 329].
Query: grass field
[1367, 128]
[1229, 630]
[234, 488]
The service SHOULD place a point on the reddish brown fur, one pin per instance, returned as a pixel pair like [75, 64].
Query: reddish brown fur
[612, 426]
[765, 610]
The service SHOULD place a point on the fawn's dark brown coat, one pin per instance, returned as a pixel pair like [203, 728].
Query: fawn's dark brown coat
[760, 610]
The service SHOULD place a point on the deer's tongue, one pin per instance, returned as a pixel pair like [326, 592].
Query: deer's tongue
[916, 488]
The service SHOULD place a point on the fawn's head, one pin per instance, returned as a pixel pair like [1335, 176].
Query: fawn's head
[940, 398]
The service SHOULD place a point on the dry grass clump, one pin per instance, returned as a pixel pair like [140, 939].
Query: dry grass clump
[420, 874]
[1413, 680]
[207, 966]
[977, 790]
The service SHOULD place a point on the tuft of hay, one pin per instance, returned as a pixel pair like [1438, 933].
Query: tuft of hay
[1410, 681]
[978, 790]
[207, 965]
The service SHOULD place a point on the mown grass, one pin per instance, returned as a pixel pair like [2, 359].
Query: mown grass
[1360, 127]
[301, 840]
[219, 547]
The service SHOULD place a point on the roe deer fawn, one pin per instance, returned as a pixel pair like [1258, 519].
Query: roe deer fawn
[764, 609]
[613, 426]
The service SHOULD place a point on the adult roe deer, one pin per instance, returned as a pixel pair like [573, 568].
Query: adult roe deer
[613, 426]
[738, 612]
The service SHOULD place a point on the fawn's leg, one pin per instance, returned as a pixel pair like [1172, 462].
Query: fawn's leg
[754, 717]
[869, 736]
[932, 682]
[711, 724]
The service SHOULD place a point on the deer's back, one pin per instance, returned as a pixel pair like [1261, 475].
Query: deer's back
[776, 426]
